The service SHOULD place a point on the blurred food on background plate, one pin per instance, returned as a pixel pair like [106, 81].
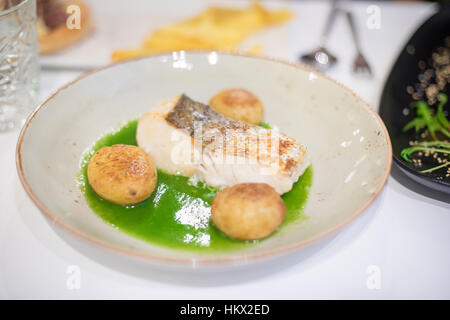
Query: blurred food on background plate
[53, 16]
[216, 28]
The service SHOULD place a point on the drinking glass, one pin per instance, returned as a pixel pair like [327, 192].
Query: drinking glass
[19, 68]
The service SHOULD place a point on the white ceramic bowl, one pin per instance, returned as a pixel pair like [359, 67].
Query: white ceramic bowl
[347, 142]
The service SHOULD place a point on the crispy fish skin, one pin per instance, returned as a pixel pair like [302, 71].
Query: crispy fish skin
[190, 138]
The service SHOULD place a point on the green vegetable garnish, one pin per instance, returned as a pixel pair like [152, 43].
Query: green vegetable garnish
[265, 125]
[440, 112]
[432, 146]
[426, 119]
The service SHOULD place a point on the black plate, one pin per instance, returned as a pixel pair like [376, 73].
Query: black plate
[396, 99]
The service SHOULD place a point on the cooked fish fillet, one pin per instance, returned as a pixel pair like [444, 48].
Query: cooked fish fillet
[189, 138]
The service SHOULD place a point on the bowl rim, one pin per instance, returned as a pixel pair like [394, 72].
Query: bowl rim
[200, 261]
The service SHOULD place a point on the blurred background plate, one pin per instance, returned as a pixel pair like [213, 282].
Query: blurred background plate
[113, 29]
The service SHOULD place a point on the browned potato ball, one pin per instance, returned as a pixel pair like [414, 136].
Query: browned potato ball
[122, 174]
[238, 104]
[248, 211]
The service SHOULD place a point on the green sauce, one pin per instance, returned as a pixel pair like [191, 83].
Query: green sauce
[177, 215]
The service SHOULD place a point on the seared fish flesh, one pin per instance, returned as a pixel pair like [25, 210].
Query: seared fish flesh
[190, 138]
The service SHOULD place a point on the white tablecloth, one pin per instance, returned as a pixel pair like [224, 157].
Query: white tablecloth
[402, 239]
